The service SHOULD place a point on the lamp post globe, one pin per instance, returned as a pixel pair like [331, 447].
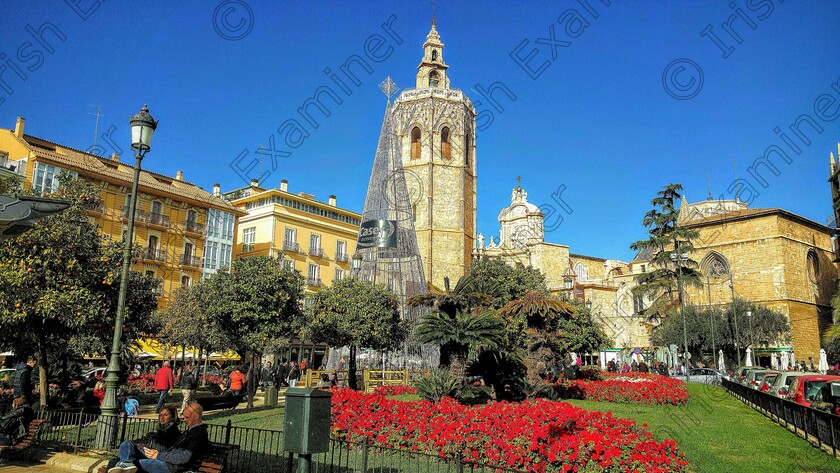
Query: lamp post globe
[143, 127]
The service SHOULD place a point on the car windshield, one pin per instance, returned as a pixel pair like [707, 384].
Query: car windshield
[811, 388]
[769, 378]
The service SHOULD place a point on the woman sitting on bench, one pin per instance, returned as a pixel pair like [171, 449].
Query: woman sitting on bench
[15, 425]
[163, 438]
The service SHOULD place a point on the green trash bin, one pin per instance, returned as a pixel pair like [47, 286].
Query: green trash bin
[307, 421]
[271, 396]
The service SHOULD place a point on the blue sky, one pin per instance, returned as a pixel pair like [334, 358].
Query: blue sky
[609, 113]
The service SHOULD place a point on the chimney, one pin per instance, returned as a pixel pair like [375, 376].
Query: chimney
[332, 200]
[284, 185]
[255, 182]
[217, 190]
[179, 175]
[115, 157]
[19, 126]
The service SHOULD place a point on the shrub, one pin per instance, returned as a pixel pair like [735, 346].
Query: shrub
[438, 384]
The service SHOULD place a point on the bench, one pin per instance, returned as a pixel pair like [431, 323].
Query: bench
[27, 442]
[219, 402]
[214, 459]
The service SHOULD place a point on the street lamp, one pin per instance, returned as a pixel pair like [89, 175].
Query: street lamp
[752, 335]
[679, 258]
[356, 265]
[142, 128]
[589, 305]
[735, 316]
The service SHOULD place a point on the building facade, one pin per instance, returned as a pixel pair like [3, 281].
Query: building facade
[172, 217]
[436, 129]
[316, 238]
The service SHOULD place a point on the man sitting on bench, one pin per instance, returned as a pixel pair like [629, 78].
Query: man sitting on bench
[191, 443]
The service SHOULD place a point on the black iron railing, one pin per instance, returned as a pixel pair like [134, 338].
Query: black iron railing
[818, 427]
[262, 450]
[194, 227]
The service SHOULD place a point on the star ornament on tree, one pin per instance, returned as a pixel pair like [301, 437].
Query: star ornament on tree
[388, 87]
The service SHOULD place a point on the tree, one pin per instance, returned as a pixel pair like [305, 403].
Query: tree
[768, 327]
[667, 243]
[504, 282]
[59, 285]
[453, 309]
[534, 321]
[257, 306]
[462, 334]
[831, 337]
[358, 314]
[185, 321]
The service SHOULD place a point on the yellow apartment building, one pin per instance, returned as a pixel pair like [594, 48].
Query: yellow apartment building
[183, 232]
[316, 238]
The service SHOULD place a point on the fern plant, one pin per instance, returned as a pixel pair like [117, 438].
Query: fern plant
[438, 384]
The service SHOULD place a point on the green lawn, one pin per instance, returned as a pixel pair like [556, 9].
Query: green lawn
[716, 432]
[719, 433]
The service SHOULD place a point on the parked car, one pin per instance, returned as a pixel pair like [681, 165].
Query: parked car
[767, 381]
[781, 383]
[741, 373]
[827, 398]
[706, 376]
[804, 388]
[754, 377]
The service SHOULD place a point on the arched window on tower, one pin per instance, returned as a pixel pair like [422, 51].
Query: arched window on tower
[415, 143]
[434, 79]
[445, 145]
[434, 54]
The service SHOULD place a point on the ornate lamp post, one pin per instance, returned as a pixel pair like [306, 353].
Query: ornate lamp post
[679, 258]
[735, 316]
[142, 128]
[356, 265]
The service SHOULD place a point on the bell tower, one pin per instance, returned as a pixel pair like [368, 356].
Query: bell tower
[432, 70]
[436, 131]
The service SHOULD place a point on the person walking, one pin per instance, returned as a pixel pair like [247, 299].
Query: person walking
[294, 374]
[237, 381]
[188, 385]
[23, 380]
[164, 382]
[267, 376]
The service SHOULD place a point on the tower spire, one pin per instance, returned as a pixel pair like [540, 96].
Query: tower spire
[432, 69]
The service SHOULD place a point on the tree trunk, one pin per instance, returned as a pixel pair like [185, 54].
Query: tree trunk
[42, 371]
[251, 384]
[351, 367]
[458, 366]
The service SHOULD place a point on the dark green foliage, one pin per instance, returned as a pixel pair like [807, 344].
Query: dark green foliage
[357, 314]
[666, 241]
[438, 384]
[504, 282]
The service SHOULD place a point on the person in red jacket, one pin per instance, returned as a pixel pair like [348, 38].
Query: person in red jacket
[237, 381]
[164, 382]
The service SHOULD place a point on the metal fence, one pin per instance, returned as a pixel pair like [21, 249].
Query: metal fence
[263, 450]
[818, 427]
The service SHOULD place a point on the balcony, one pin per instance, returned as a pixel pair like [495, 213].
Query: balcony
[139, 214]
[290, 246]
[159, 220]
[316, 252]
[98, 208]
[194, 227]
[342, 258]
[154, 254]
[313, 282]
[190, 260]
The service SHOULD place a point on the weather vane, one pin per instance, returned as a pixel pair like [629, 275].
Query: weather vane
[388, 87]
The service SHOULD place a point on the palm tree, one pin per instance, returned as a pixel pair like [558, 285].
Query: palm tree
[538, 314]
[456, 323]
[464, 333]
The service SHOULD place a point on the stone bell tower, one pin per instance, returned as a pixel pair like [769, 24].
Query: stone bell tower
[436, 130]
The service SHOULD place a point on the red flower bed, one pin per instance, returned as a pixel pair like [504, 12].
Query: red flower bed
[633, 388]
[394, 390]
[536, 436]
